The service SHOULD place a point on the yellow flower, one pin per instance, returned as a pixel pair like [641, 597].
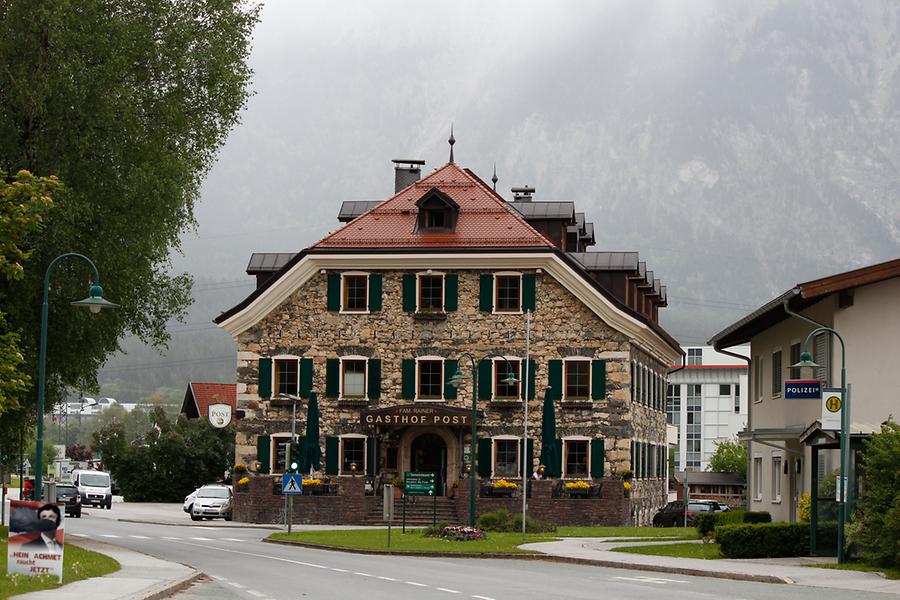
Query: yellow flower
[578, 485]
[626, 485]
[505, 485]
[243, 481]
[311, 482]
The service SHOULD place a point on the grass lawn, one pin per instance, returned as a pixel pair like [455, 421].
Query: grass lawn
[413, 541]
[889, 572]
[679, 533]
[78, 563]
[707, 551]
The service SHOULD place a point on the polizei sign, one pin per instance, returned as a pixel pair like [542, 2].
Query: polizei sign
[400, 416]
[802, 389]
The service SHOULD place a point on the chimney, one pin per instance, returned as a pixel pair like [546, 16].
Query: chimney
[406, 172]
[522, 194]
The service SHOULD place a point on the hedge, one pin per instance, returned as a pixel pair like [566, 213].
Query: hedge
[706, 523]
[763, 540]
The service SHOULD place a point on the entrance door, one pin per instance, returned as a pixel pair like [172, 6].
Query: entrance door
[429, 455]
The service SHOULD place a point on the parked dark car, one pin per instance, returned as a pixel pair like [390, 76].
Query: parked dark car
[673, 513]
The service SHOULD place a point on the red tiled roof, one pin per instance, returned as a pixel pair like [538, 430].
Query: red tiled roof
[485, 220]
[205, 394]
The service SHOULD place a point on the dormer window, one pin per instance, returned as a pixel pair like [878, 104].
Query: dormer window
[437, 212]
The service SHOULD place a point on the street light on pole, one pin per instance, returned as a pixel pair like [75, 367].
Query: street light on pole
[293, 461]
[844, 484]
[95, 303]
[455, 381]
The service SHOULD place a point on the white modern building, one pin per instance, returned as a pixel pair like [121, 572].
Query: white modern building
[707, 402]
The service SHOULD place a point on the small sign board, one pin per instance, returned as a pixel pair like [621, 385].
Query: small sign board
[418, 484]
[292, 483]
[832, 406]
[219, 415]
[802, 389]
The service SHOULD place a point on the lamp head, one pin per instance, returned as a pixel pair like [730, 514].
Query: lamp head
[457, 379]
[95, 302]
[612, 469]
[806, 361]
[353, 467]
[510, 379]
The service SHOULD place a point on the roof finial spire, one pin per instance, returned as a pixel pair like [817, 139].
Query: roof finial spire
[451, 141]
[494, 178]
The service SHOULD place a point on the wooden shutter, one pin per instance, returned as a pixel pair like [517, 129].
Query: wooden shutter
[528, 292]
[334, 292]
[374, 292]
[451, 292]
[485, 450]
[332, 377]
[598, 455]
[555, 470]
[486, 293]
[264, 378]
[332, 449]
[555, 378]
[485, 379]
[374, 379]
[598, 379]
[372, 455]
[409, 292]
[450, 367]
[527, 457]
[409, 378]
[263, 453]
[532, 378]
[306, 377]
[822, 357]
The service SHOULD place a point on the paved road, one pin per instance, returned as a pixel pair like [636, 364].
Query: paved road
[243, 568]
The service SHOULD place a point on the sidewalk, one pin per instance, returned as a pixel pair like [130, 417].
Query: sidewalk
[772, 570]
[141, 577]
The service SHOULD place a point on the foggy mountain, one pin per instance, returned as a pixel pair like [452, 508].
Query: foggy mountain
[739, 147]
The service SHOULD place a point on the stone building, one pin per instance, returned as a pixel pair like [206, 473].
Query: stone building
[443, 277]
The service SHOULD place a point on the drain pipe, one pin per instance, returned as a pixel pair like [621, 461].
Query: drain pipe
[675, 370]
[787, 309]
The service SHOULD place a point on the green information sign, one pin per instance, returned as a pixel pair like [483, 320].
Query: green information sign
[418, 484]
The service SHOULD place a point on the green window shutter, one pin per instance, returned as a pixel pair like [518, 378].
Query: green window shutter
[334, 292]
[409, 378]
[374, 292]
[409, 292]
[485, 449]
[263, 453]
[306, 377]
[265, 377]
[527, 457]
[371, 455]
[555, 378]
[532, 378]
[331, 454]
[486, 293]
[598, 379]
[450, 367]
[597, 457]
[451, 292]
[374, 376]
[528, 295]
[485, 379]
[332, 378]
[556, 468]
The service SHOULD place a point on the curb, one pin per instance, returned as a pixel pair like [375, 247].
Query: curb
[198, 524]
[548, 558]
[170, 588]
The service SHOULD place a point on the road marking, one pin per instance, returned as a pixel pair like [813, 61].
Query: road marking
[206, 527]
[416, 584]
[232, 539]
[339, 570]
[361, 574]
[482, 597]
[386, 578]
[108, 535]
[255, 593]
[80, 534]
[202, 539]
[657, 580]
[448, 591]
[171, 538]
[237, 585]
[217, 577]
[139, 537]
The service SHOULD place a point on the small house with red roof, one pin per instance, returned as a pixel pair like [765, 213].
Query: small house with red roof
[444, 278]
[201, 394]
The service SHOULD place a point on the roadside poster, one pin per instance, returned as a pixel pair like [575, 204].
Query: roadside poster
[36, 538]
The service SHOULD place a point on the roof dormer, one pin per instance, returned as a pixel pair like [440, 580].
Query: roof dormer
[438, 213]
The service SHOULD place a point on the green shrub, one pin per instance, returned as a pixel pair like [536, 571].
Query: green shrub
[434, 531]
[763, 540]
[707, 523]
[498, 520]
[760, 516]
[532, 525]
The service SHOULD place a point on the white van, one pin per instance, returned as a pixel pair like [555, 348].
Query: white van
[95, 487]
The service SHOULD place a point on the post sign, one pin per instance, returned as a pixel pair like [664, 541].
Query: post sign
[416, 415]
[418, 484]
[832, 406]
[219, 415]
[802, 389]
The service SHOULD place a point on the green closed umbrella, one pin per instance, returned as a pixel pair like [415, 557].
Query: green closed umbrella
[549, 448]
[312, 454]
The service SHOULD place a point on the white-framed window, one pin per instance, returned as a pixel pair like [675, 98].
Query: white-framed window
[777, 372]
[794, 355]
[503, 391]
[506, 456]
[757, 478]
[279, 452]
[758, 377]
[576, 457]
[776, 477]
[354, 377]
[576, 379]
[507, 292]
[429, 292]
[353, 453]
[694, 356]
[354, 292]
[430, 379]
[285, 375]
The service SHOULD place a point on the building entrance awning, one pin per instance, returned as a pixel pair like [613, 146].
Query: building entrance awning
[416, 415]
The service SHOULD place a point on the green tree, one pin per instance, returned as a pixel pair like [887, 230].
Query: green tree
[730, 457]
[128, 103]
[877, 521]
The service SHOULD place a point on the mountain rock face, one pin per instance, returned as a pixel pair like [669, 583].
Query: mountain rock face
[740, 147]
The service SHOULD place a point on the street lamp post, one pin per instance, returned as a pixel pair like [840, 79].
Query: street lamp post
[455, 381]
[95, 303]
[844, 483]
[293, 464]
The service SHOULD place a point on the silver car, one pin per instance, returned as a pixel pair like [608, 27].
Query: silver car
[212, 502]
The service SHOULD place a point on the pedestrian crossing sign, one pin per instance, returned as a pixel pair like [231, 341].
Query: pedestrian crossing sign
[292, 483]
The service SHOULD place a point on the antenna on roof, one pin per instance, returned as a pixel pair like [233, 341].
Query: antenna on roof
[494, 178]
[451, 141]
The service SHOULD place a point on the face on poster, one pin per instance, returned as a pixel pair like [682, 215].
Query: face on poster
[36, 538]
